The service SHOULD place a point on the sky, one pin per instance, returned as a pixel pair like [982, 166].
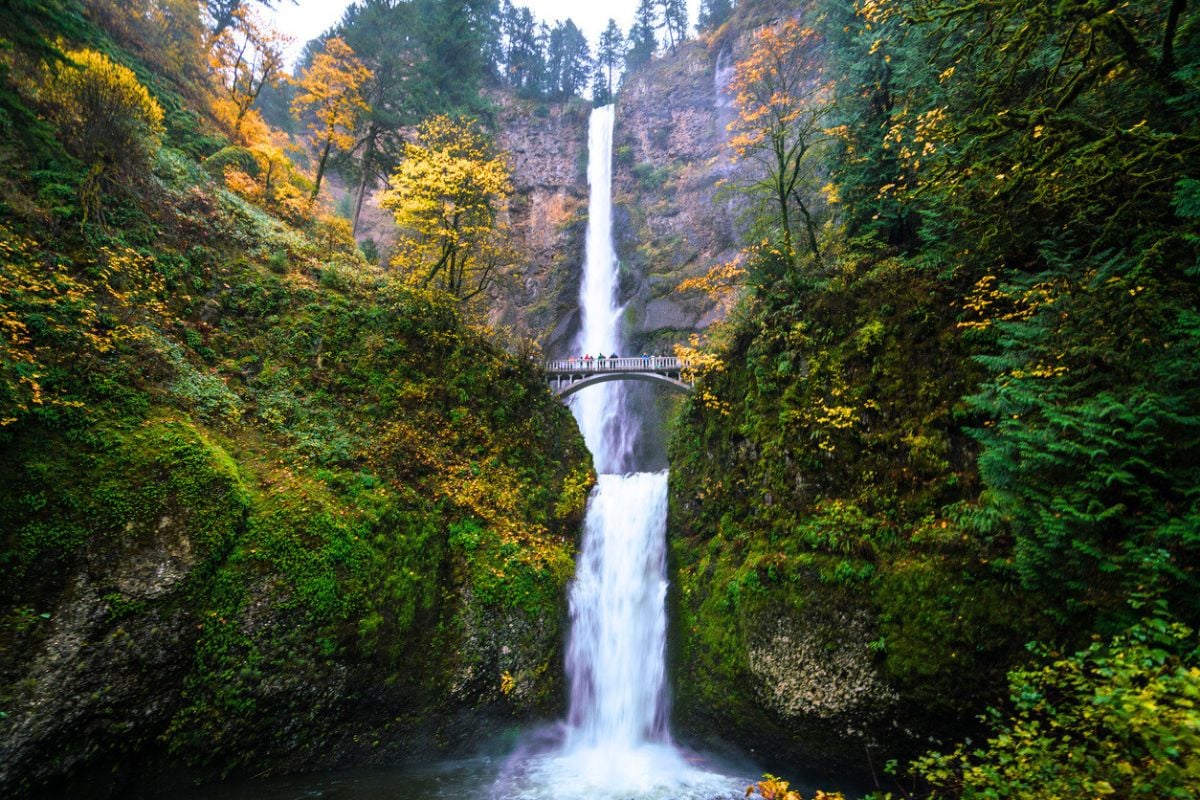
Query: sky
[307, 19]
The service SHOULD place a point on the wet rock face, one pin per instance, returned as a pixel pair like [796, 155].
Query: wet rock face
[819, 686]
[101, 679]
[504, 655]
[154, 566]
[818, 671]
[671, 160]
[547, 150]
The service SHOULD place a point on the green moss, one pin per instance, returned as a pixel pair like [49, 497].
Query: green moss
[118, 485]
[311, 436]
[815, 475]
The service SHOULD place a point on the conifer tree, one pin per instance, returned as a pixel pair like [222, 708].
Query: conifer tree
[713, 14]
[642, 40]
[610, 53]
[601, 94]
[380, 33]
[674, 16]
[568, 61]
[453, 37]
[524, 57]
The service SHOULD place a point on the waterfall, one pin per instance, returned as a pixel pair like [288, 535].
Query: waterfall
[616, 743]
[607, 429]
[618, 619]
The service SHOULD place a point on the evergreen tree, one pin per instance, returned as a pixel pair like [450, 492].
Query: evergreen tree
[568, 61]
[381, 34]
[642, 40]
[610, 53]
[524, 57]
[601, 88]
[675, 19]
[453, 34]
[492, 28]
[713, 14]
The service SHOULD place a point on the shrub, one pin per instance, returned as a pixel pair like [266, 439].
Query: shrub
[1121, 718]
[105, 115]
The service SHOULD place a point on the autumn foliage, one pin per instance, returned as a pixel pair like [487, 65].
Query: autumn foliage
[783, 100]
[447, 196]
[245, 58]
[331, 99]
[105, 116]
[774, 788]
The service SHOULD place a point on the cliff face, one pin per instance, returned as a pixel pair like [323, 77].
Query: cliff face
[671, 220]
[547, 148]
[678, 209]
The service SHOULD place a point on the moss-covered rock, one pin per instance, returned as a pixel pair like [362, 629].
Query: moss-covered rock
[834, 609]
[264, 507]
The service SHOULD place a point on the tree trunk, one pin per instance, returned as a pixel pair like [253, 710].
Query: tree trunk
[321, 170]
[809, 226]
[1168, 45]
[368, 152]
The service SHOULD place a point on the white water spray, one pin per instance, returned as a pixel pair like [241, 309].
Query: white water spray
[617, 743]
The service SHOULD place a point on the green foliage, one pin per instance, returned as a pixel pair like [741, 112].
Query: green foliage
[987, 392]
[241, 158]
[113, 487]
[296, 433]
[642, 40]
[713, 14]
[1095, 468]
[1117, 719]
[32, 28]
[650, 177]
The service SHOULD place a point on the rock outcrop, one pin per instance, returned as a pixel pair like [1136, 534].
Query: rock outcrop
[547, 149]
[671, 220]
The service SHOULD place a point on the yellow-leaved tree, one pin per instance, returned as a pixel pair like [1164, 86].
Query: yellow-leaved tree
[263, 174]
[331, 99]
[245, 57]
[782, 101]
[447, 196]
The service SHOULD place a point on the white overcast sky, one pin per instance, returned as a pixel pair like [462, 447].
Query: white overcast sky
[307, 19]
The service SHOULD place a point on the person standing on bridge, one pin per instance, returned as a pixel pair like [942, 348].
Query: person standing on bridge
[600, 360]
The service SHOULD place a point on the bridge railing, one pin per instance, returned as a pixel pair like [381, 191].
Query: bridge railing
[629, 364]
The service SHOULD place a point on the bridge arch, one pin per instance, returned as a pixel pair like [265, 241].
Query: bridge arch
[650, 377]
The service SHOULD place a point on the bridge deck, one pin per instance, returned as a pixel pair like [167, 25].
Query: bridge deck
[659, 364]
[568, 375]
